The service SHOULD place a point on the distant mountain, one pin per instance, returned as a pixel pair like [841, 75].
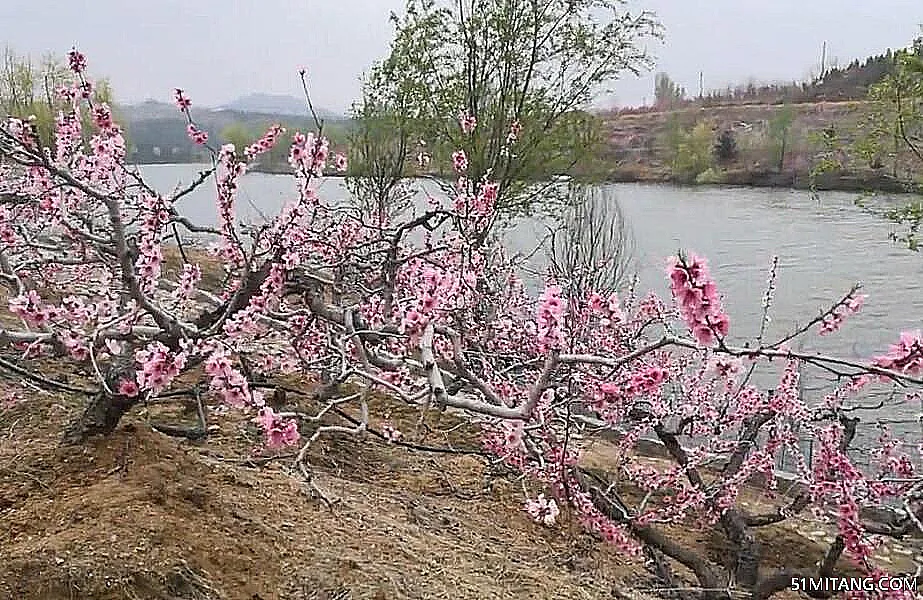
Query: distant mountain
[252, 104]
[149, 109]
[276, 104]
[157, 130]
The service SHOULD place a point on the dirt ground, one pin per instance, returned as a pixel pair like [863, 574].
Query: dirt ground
[139, 515]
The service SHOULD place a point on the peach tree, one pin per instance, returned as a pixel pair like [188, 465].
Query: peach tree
[427, 310]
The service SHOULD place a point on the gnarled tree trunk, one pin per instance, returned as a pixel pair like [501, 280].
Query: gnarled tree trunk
[100, 417]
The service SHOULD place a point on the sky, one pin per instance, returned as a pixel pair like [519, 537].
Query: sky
[218, 50]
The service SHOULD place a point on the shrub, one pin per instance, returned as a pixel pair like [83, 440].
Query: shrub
[725, 149]
[693, 152]
[710, 176]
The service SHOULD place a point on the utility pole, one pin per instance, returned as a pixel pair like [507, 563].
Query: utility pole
[823, 60]
[701, 85]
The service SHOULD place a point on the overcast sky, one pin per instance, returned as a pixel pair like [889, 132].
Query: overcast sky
[220, 49]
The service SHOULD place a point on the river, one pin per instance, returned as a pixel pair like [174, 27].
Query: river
[824, 243]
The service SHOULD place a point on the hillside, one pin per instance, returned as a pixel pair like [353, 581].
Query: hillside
[277, 104]
[647, 146]
[140, 515]
[157, 130]
[852, 82]
[145, 516]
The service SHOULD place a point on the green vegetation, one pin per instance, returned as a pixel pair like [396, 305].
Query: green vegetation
[29, 88]
[899, 98]
[238, 134]
[379, 143]
[875, 143]
[690, 151]
[535, 64]
[780, 126]
[725, 149]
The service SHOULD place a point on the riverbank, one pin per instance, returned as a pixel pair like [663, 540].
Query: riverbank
[755, 146]
[842, 182]
[138, 514]
[827, 182]
[839, 182]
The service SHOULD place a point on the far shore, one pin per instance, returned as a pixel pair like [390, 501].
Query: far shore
[841, 181]
[796, 180]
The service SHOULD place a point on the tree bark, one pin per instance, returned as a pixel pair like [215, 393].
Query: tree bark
[100, 417]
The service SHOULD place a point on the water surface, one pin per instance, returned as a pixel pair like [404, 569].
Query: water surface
[825, 244]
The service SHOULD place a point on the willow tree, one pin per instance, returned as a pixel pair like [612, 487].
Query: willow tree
[520, 75]
[381, 141]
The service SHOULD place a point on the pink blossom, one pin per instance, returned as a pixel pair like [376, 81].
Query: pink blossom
[309, 154]
[514, 433]
[906, 356]
[391, 433]
[188, 280]
[196, 135]
[596, 303]
[265, 143]
[486, 199]
[157, 367]
[75, 345]
[460, 161]
[725, 366]
[30, 308]
[182, 101]
[550, 318]
[609, 309]
[102, 114]
[647, 381]
[412, 322]
[114, 347]
[837, 316]
[228, 382]
[543, 510]
[128, 388]
[467, 122]
[85, 89]
[514, 132]
[279, 432]
[76, 61]
[697, 296]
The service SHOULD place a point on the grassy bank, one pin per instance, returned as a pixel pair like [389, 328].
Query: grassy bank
[839, 181]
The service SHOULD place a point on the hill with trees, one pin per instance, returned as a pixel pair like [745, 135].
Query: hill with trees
[845, 130]
[276, 104]
[836, 84]
[158, 131]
